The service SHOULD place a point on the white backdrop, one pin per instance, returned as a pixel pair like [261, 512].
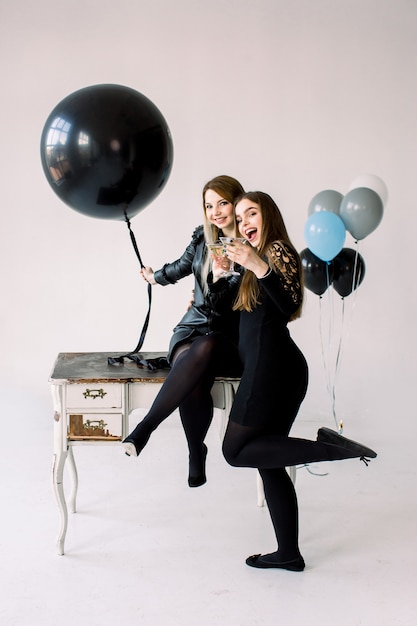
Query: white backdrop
[291, 97]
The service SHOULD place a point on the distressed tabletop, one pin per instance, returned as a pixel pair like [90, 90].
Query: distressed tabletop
[88, 367]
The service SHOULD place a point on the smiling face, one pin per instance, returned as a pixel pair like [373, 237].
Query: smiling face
[219, 212]
[249, 221]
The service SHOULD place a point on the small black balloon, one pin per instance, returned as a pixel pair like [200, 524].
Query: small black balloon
[318, 274]
[349, 271]
[106, 151]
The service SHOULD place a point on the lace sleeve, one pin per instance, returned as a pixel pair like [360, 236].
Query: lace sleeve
[284, 263]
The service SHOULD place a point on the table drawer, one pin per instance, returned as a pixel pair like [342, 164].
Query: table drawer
[95, 426]
[141, 395]
[95, 395]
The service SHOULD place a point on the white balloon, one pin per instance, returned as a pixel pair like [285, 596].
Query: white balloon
[370, 181]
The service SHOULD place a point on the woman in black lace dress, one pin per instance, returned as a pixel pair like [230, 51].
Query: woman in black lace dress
[204, 342]
[275, 374]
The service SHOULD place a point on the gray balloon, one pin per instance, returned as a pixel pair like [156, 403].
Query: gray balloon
[361, 211]
[327, 200]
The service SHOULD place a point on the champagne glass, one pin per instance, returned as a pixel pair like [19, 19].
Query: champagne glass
[217, 249]
[229, 241]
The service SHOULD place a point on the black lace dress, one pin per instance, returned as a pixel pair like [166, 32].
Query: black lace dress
[275, 373]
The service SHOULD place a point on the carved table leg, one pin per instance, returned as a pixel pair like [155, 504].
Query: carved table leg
[58, 487]
[260, 490]
[292, 472]
[74, 481]
[60, 456]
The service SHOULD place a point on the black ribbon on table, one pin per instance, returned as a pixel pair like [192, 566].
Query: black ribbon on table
[152, 364]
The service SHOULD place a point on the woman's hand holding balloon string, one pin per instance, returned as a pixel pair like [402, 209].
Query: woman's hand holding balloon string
[147, 274]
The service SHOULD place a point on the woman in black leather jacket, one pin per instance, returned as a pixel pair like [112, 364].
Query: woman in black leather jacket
[204, 343]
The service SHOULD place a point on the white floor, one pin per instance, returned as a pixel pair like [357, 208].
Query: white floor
[144, 548]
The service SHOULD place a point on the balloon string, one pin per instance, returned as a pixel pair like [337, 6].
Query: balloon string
[325, 356]
[344, 335]
[337, 366]
[355, 286]
[133, 240]
[345, 325]
[332, 379]
[133, 356]
[355, 266]
[331, 374]
[326, 347]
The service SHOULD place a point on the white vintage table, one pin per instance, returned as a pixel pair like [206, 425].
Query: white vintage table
[92, 402]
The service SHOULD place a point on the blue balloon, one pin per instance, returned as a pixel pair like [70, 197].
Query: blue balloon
[325, 234]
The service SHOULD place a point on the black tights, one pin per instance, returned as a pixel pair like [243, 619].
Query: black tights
[196, 412]
[245, 446]
[187, 386]
[283, 508]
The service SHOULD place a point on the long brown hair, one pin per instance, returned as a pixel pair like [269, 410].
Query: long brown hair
[273, 229]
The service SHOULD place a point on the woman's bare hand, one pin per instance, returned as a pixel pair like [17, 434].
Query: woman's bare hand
[245, 255]
[147, 274]
[220, 265]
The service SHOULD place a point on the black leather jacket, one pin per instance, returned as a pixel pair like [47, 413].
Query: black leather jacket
[211, 312]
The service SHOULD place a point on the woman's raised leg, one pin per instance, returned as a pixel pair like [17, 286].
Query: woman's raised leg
[192, 364]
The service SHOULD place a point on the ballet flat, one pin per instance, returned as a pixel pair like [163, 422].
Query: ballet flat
[295, 565]
[197, 481]
[326, 435]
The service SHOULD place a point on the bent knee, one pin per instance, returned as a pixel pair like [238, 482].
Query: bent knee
[230, 454]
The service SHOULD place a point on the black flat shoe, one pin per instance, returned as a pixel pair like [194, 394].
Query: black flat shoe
[326, 435]
[262, 562]
[199, 479]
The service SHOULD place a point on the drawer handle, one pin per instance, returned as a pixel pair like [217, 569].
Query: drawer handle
[94, 393]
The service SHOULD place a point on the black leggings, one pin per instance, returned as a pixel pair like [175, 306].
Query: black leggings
[187, 387]
[246, 446]
[270, 453]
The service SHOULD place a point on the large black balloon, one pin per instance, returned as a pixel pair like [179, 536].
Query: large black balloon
[349, 271]
[318, 274]
[106, 151]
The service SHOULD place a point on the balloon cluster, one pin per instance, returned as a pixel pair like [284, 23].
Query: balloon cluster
[326, 262]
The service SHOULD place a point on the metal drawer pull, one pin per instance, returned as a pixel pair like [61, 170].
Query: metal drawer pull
[94, 393]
